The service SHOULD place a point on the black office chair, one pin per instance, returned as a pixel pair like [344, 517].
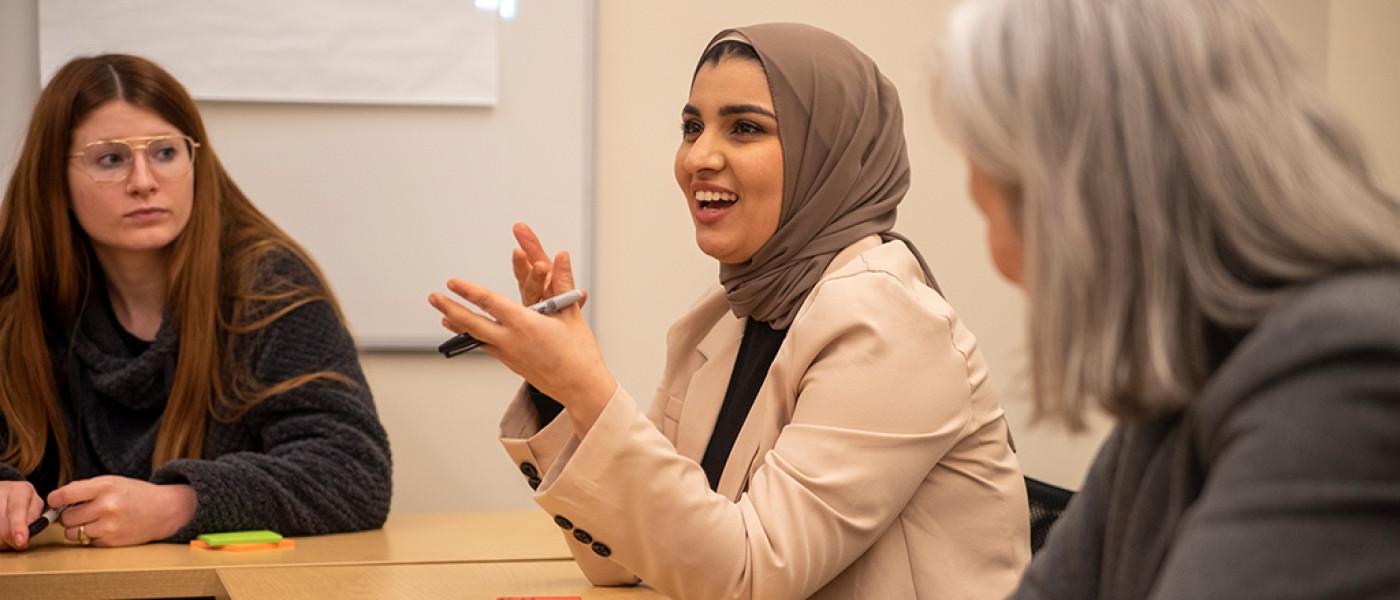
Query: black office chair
[1047, 502]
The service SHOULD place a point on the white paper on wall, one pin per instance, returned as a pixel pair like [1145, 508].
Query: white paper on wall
[433, 52]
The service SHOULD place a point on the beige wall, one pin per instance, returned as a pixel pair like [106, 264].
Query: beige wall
[1364, 77]
[19, 72]
[441, 415]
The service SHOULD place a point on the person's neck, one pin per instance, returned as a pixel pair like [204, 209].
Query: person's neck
[136, 283]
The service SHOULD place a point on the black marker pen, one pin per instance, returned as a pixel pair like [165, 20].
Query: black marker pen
[464, 342]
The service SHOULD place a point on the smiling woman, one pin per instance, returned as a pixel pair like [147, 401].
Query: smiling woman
[171, 363]
[824, 426]
[730, 161]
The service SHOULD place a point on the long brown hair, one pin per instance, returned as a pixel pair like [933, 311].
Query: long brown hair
[215, 295]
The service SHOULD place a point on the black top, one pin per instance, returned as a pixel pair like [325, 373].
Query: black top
[1278, 480]
[756, 352]
[311, 460]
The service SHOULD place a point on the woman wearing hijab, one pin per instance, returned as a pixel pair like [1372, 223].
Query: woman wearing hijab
[824, 426]
[1207, 256]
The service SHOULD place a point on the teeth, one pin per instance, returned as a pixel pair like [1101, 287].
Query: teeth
[708, 196]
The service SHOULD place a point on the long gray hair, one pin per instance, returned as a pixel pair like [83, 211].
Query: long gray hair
[1176, 177]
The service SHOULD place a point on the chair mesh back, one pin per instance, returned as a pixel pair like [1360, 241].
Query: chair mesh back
[1047, 502]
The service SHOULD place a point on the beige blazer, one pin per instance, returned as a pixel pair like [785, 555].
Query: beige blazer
[875, 462]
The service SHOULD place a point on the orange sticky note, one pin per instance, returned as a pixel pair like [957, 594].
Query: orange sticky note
[282, 545]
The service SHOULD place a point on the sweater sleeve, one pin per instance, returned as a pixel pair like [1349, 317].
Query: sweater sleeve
[323, 462]
[1068, 566]
[1302, 495]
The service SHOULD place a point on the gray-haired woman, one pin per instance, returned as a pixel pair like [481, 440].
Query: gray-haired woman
[1209, 258]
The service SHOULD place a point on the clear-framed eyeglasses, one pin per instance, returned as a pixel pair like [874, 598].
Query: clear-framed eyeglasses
[111, 161]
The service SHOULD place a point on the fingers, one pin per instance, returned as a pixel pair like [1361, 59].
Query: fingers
[563, 275]
[94, 532]
[16, 502]
[520, 264]
[36, 506]
[78, 491]
[503, 309]
[462, 319]
[496, 305]
[530, 243]
[85, 513]
[537, 286]
[8, 525]
[530, 277]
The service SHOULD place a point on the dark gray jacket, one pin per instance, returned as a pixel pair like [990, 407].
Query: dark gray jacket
[1281, 480]
[311, 460]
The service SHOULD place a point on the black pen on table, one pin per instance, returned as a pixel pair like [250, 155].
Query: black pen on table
[464, 342]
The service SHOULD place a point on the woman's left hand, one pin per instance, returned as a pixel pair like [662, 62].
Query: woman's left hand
[120, 511]
[555, 353]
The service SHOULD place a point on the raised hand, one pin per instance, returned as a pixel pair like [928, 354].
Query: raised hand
[556, 353]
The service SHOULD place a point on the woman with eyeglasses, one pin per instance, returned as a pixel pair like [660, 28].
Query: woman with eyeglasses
[171, 363]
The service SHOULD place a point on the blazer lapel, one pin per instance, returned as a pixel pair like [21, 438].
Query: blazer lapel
[773, 406]
[705, 393]
[746, 446]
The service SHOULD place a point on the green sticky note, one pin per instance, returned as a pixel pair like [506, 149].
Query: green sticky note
[228, 538]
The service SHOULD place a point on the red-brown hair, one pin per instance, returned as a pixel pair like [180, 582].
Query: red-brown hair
[214, 294]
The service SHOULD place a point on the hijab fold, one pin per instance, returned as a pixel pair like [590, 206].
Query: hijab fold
[845, 165]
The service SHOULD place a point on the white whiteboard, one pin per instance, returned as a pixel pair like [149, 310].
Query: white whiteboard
[393, 200]
[358, 51]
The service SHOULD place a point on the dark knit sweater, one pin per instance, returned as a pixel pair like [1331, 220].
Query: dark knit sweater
[308, 461]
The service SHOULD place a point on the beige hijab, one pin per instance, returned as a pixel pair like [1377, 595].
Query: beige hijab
[844, 162]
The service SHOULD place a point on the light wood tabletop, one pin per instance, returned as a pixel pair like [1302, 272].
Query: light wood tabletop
[426, 582]
[53, 567]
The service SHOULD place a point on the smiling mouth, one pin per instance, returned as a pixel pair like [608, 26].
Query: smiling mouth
[715, 200]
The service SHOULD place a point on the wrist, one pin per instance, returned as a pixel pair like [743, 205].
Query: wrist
[592, 400]
[179, 507]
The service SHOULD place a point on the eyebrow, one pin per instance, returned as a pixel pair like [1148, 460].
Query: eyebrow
[733, 109]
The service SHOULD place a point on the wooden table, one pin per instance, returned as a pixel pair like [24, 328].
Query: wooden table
[53, 567]
[426, 582]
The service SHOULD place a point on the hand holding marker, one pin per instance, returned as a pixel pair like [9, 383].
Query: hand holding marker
[45, 520]
[464, 342]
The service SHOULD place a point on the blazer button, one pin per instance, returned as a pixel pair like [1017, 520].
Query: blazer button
[582, 536]
[534, 483]
[601, 549]
[563, 523]
[529, 470]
